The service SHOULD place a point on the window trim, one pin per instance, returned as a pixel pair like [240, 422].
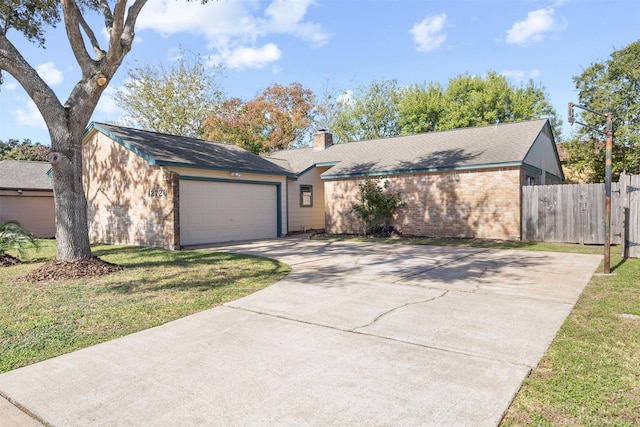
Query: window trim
[306, 189]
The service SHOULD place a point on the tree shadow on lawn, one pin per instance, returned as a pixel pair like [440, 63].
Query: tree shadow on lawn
[134, 257]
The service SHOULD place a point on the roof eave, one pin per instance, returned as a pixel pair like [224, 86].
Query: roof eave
[214, 168]
[424, 170]
[95, 126]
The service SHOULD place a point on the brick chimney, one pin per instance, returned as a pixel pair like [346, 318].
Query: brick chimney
[322, 139]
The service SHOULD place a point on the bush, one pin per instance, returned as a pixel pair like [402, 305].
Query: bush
[377, 207]
[13, 236]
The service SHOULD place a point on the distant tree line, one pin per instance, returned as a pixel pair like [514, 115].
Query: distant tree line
[189, 100]
[13, 149]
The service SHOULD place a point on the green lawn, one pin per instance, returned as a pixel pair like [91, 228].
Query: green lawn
[43, 320]
[590, 376]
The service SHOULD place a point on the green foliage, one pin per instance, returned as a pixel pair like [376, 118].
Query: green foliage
[382, 109]
[23, 151]
[174, 100]
[29, 17]
[608, 86]
[10, 144]
[470, 101]
[14, 237]
[376, 206]
[369, 112]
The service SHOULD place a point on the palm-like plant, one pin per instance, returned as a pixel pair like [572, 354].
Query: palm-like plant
[13, 236]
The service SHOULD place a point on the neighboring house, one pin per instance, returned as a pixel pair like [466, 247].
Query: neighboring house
[26, 196]
[461, 183]
[151, 189]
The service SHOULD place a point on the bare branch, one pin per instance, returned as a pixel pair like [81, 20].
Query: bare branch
[90, 34]
[72, 17]
[42, 95]
[108, 16]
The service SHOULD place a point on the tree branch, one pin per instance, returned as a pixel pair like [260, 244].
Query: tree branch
[108, 16]
[89, 32]
[42, 95]
[72, 16]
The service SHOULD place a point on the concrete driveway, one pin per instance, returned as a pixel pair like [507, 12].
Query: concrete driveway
[357, 334]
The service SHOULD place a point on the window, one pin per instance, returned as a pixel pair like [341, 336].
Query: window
[306, 195]
[531, 180]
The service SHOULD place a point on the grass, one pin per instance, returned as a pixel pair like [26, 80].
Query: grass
[590, 376]
[44, 320]
[591, 373]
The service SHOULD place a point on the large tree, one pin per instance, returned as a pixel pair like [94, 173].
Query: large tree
[175, 100]
[608, 86]
[383, 109]
[469, 101]
[66, 121]
[368, 112]
[276, 119]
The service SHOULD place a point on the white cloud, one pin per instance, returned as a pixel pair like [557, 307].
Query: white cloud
[428, 34]
[29, 116]
[9, 86]
[248, 57]
[533, 28]
[521, 75]
[346, 98]
[107, 105]
[232, 28]
[50, 74]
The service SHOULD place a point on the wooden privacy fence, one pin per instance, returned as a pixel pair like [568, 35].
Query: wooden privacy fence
[575, 213]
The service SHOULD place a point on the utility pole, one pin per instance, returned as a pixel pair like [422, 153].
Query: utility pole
[608, 132]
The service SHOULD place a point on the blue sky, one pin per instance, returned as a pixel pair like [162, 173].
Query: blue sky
[341, 44]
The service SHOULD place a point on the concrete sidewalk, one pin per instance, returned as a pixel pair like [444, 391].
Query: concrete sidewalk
[358, 333]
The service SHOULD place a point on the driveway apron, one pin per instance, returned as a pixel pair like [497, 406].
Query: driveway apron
[356, 334]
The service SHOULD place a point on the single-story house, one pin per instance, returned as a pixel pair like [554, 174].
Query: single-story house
[463, 183]
[26, 196]
[151, 189]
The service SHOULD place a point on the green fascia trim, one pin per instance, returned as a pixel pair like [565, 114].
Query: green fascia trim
[426, 170]
[150, 160]
[239, 181]
[192, 166]
[316, 165]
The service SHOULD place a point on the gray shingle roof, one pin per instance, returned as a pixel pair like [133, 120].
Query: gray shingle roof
[24, 175]
[501, 144]
[163, 149]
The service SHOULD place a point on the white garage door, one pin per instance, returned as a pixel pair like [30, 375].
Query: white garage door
[213, 212]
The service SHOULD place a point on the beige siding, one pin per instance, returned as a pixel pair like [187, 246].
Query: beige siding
[129, 201]
[453, 204]
[303, 218]
[34, 210]
[542, 155]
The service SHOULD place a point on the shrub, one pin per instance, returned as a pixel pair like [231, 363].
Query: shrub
[13, 236]
[376, 206]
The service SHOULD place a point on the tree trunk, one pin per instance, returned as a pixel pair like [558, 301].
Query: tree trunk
[72, 231]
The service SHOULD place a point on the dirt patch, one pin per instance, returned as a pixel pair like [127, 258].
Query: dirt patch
[8, 260]
[69, 270]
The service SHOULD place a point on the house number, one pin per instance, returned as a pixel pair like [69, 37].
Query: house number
[157, 193]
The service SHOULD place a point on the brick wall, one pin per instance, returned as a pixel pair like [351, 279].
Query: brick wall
[129, 201]
[454, 204]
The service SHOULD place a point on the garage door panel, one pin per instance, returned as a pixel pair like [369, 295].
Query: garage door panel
[212, 212]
